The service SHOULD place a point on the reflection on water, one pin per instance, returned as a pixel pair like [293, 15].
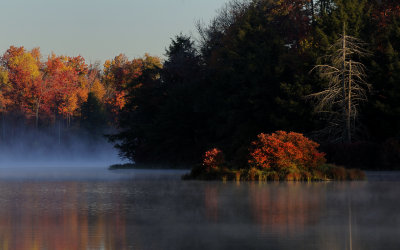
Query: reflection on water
[287, 210]
[211, 202]
[63, 215]
[167, 213]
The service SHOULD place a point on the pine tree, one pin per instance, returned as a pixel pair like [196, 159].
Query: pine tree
[93, 117]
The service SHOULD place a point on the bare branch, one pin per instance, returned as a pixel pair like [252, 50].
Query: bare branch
[347, 87]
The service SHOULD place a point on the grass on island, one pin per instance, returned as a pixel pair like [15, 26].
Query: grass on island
[326, 172]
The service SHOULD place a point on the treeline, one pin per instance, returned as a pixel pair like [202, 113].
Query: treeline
[249, 72]
[64, 91]
[244, 73]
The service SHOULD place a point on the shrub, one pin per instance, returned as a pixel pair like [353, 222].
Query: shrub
[273, 176]
[252, 174]
[290, 177]
[318, 175]
[338, 173]
[237, 176]
[282, 151]
[213, 159]
[355, 175]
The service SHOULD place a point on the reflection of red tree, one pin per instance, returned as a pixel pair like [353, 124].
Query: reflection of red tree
[211, 202]
[287, 208]
[60, 220]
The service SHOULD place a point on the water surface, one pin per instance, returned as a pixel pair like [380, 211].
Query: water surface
[93, 208]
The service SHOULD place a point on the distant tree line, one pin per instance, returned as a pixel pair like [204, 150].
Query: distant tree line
[64, 91]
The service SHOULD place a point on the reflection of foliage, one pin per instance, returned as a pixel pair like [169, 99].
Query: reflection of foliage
[280, 207]
[54, 230]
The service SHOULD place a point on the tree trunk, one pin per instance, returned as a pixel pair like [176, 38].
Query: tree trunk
[37, 114]
[346, 132]
[346, 89]
[312, 11]
[349, 106]
[59, 132]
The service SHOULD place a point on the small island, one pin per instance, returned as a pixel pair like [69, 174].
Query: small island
[279, 156]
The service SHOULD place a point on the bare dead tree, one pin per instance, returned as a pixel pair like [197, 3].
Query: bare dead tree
[346, 89]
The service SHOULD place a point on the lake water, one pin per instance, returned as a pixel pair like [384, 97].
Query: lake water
[93, 208]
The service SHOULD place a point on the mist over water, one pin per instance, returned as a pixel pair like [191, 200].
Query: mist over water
[22, 146]
[57, 193]
[154, 209]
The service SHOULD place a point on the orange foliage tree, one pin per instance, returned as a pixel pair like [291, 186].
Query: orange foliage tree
[57, 87]
[119, 73]
[94, 81]
[67, 77]
[63, 80]
[282, 151]
[24, 80]
[4, 87]
[24, 76]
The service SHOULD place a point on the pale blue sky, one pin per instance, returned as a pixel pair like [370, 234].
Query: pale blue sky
[100, 29]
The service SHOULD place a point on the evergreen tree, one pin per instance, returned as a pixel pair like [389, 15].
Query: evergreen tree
[93, 117]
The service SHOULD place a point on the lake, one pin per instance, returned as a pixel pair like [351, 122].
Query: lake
[93, 208]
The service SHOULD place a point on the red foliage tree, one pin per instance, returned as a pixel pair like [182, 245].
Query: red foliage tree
[213, 159]
[282, 150]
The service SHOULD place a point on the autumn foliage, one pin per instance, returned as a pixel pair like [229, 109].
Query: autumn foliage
[282, 151]
[56, 88]
[280, 156]
[277, 156]
[213, 159]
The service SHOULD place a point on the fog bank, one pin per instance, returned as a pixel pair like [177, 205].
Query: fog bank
[54, 147]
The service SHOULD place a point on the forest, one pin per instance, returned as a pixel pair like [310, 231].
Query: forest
[258, 67]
